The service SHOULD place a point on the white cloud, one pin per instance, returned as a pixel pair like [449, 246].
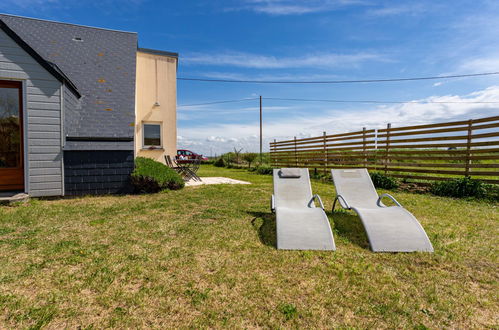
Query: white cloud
[224, 137]
[263, 76]
[58, 6]
[399, 9]
[437, 84]
[25, 4]
[479, 64]
[215, 139]
[247, 60]
[293, 7]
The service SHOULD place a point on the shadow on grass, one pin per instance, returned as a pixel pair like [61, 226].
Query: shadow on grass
[264, 224]
[350, 227]
[346, 225]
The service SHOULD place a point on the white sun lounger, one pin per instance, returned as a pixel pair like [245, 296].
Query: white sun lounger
[300, 225]
[389, 229]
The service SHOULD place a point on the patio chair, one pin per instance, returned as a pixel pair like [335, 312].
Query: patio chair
[184, 171]
[300, 224]
[388, 228]
[169, 163]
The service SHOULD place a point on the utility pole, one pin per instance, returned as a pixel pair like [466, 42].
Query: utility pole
[261, 134]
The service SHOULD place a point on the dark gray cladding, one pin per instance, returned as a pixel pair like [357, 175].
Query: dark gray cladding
[97, 172]
[101, 64]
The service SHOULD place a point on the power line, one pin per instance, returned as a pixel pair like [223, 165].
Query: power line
[218, 102]
[379, 102]
[339, 101]
[337, 81]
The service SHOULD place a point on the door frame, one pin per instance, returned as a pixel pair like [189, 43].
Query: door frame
[23, 127]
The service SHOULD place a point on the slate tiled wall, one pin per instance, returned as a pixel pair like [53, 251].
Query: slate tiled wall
[97, 172]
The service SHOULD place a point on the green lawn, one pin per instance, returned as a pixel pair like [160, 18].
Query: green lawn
[205, 257]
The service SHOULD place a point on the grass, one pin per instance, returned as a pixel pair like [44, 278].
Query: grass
[205, 257]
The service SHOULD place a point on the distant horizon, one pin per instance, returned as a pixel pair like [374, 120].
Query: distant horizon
[306, 40]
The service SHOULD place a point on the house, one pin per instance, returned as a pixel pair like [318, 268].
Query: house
[77, 104]
[156, 107]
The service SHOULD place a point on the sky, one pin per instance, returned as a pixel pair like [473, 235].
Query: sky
[306, 40]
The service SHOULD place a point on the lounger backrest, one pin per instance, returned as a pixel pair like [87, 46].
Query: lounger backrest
[292, 192]
[355, 186]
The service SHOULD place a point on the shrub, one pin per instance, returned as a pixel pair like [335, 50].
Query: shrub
[320, 176]
[462, 187]
[492, 192]
[250, 157]
[237, 154]
[383, 181]
[150, 176]
[234, 166]
[220, 162]
[264, 169]
[229, 158]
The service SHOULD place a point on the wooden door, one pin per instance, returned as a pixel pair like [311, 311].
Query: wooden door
[11, 136]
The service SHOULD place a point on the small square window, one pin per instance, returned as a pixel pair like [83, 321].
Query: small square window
[152, 135]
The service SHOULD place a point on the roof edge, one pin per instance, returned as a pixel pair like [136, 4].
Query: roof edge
[65, 23]
[157, 52]
[51, 68]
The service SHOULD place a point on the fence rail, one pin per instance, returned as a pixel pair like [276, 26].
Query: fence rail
[428, 152]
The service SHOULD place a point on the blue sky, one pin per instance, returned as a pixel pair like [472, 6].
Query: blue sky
[306, 40]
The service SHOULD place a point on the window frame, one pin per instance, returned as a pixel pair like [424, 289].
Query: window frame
[146, 146]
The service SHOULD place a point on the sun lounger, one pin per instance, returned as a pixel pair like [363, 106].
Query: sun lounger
[300, 225]
[389, 229]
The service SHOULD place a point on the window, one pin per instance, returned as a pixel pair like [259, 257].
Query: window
[152, 135]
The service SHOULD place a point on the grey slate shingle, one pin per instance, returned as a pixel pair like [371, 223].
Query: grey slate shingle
[102, 66]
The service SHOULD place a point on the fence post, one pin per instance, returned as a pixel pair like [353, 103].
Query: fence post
[468, 149]
[296, 156]
[376, 154]
[364, 145]
[325, 154]
[388, 126]
[273, 154]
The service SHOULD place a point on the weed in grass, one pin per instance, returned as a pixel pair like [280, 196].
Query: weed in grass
[120, 311]
[197, 296]
[39, 317]
[5, 230]
[97, 222]
[288, 310]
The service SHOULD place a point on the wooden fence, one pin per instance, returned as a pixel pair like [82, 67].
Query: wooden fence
[426, 152]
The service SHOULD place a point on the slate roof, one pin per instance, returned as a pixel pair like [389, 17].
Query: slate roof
[100, 63]
[49, 66]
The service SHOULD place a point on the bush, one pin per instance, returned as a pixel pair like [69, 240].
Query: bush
[263, 169]
[234, 166]
[150, 176]
[250, 157]
[463, 187]
[319, 175]
[219, 162]
[229, 158]
[382, 181]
